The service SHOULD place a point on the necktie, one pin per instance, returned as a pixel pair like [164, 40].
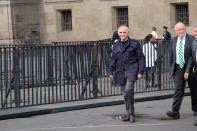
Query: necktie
[181, 63]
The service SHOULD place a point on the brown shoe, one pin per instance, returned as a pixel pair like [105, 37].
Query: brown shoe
[126, 118]
[132, 119]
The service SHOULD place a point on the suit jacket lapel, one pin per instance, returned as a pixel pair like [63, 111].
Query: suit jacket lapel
[125, 47]
[174, 47]
[186, 44]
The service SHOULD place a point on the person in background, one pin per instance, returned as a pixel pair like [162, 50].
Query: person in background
[149, 50]
[191, 74]
[166, 33]
[154, 33]
[115, 36]
[128, 59]
[165, 46]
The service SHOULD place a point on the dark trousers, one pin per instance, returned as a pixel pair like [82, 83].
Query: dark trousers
[149, 76]
[179, 83]
[192, 82]
[128, 92]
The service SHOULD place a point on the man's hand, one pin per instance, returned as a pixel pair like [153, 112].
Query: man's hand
[140, 76]
[186, 75]
[111, 76]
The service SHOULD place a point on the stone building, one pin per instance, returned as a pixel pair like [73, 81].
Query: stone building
[19, 21]
[6, 22]
[84, 20]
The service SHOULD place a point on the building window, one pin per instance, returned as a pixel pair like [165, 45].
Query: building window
[122, 16]
[182, 14]
[19, 17]
[66, 20]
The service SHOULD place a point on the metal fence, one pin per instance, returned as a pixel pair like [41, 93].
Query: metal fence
[67, 71]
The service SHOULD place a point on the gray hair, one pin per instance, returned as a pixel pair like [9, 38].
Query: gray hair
[177, 24]
[124, 26]
[195, 26]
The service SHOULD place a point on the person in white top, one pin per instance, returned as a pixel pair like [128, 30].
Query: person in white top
[150, 52]
[154, 33]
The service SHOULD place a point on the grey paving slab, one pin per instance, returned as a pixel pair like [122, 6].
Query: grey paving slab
[77, 105]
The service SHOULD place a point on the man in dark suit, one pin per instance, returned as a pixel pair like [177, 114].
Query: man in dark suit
[180, 53]
[129, 62]
[192, 73]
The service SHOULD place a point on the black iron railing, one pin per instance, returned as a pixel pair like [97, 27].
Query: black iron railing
[67, 71]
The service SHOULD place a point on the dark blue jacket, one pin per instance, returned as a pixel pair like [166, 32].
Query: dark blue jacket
[166, 35]
[128, 61]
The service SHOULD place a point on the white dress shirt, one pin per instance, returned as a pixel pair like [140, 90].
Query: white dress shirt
[177, 48]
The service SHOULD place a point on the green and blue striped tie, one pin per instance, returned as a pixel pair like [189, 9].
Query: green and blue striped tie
[181, 62]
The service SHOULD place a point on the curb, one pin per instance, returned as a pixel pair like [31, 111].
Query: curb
[80, 107]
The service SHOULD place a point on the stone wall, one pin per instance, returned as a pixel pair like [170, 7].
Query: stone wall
[19, 20]
[6, 23]
[91, 19]
[158, 13]
[26, 20]
[95, 19]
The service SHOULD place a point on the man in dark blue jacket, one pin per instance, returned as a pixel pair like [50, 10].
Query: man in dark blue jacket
[166, 33]
[129, 62]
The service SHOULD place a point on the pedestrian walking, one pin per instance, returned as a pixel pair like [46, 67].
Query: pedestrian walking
[179, 56]
[129, 61]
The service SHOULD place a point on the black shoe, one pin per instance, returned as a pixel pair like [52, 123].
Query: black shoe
[174, 115]
[195, 124]
[195, 113]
